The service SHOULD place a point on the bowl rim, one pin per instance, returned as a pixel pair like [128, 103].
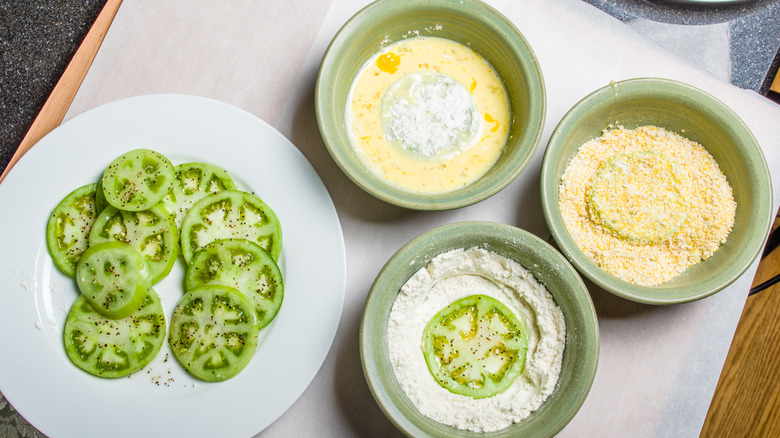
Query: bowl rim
[507, 30]
[549, 189]
[584, 303]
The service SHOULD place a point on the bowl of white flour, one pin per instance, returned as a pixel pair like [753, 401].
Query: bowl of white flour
[523, 346]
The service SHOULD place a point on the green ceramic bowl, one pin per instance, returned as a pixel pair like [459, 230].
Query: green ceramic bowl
[470, 22]
[698, 116]
[548, 266]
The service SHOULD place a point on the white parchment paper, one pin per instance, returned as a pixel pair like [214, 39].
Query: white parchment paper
[658, 365]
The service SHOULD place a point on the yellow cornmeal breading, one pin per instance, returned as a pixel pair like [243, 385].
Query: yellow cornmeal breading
[702, 188]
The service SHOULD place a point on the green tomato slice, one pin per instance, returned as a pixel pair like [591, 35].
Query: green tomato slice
[67, 233]
[137, 180]
[100, 197]
[475, 347]
[114, 347]
[214, 332]
[114, 278]
[151, 232]
[230, 214]
[642, 197]
[244, 266]
[192, 182]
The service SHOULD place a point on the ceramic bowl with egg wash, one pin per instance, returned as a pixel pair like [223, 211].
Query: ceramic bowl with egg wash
[378, 44]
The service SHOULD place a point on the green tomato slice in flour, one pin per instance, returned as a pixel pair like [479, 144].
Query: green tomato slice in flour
[475, 347]
[114, 347]
[230, 214]
[214, 332]
[137, 179]
[151, 232]
[192, 182]
[67, 233]
[114, 278]
[243, 265]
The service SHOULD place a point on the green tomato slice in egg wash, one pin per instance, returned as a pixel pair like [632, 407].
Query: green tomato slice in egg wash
[475, 347]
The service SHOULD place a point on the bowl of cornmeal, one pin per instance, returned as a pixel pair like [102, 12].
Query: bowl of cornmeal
[479, 329]
[656, 191]
[430, 105]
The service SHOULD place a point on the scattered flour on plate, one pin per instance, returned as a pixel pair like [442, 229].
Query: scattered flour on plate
[29, 285]
[454, 275]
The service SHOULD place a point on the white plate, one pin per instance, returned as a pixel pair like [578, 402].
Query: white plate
[36, 375]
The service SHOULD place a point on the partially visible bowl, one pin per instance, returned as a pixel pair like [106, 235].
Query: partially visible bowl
[469, 22]
[580, 356]
[698, 116]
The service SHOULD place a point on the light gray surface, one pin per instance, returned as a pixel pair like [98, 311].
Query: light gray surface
[734, 40]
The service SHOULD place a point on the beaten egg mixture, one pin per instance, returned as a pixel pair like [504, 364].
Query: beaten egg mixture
[428, 115]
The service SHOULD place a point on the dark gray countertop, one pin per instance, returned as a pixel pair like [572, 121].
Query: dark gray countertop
[750, 28]
[37, 40]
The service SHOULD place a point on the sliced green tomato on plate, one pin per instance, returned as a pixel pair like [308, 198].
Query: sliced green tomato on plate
[475, 347]
[114, 347]
[114, 277]
[100, 197]
[214, 332]
[151, 232]
[242, 265]
[192, 182]
[230, 214]
[67, 233]
[137, 179]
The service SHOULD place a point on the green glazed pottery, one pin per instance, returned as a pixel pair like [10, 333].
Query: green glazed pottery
[691, 112]
[580, 357]
[469, 22]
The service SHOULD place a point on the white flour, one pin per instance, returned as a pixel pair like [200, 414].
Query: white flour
[457, 274]
[430, 114]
